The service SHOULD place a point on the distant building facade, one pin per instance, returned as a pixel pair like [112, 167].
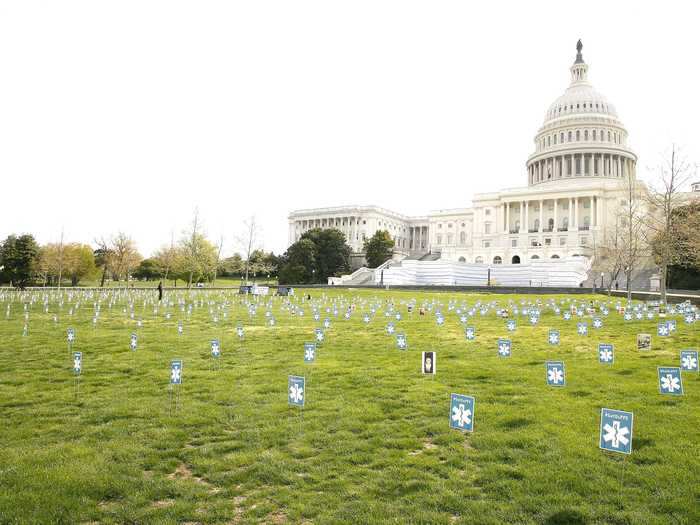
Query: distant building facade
[576, 182]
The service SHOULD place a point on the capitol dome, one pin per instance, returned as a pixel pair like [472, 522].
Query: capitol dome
[581, 136]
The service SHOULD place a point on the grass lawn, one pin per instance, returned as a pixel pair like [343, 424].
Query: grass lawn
[372, 444]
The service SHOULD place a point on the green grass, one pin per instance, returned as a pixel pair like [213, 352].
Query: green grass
[372, 444]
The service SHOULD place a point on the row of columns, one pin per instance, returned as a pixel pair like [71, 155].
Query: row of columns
[349, 225]
[590, 165]
[418, 238]
[595, 216]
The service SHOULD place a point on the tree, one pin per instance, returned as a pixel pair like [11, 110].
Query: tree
[79, 262]
[232, 266]
[332, 253]
[123, 256]
[298, 263]
[378, 248]
[664, 197]
[102, 256]
[149, 269]
[249, 241]
[18, 259]
[199, 257]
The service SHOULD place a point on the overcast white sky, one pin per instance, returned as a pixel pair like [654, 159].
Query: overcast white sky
[127, 115]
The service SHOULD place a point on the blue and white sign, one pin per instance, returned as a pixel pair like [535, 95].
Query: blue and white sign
[401, 342]
[215, 348]
[327, 323]
[671, 325]
[662, 329]
[296, 393]
[390, 329]
[318, 332]
[440, 320]
[555, 373]
[504, 347]
[597, 323]
[462, 412]
[470, 333]
[534, 319]
[71, 336]
[689, 360]
[366, 318]
[77, 362]
[176, 372]
[309, 352]
[397, 316]
[670, 380]
[239, 331]
[616, 430]
[133, 343]
[510, 325]
[567, 316]
[606, 353]
[582, 328]
[553, 337]
[317, 316]
[179, 327]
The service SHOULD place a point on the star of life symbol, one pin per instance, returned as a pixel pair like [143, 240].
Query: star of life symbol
[616, 434]
[401, 341]
[133, 342]
[175, 373]
[461, 415]
[555, 375]
[582, 329]
[597, 323]
[511, 325]
[567, 315]
[77, 363]
[605, 354]
[215, 349]
[670, 383]
[296, 393]
[390, 329]
[309, 354]
[663, 329]
[365, 318]
[319, 335]
[689, 360]
[462, 318]
[628, 316]
[470, 333]
[533, 319]
[553, 338]
[504, 348]
[440, 320]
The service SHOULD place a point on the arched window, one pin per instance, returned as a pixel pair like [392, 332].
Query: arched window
[569, 136]
[550, 224]
[462, 260]
[515, 259]
[555, 256]
[609, 137]
[595, 134]
[537, 224]
[578, 135]
[561, 137]
[585, 135]
[535, 257]
[602, 135]
[555, 140]
[497, 260]
[463, 238]
[479, 260]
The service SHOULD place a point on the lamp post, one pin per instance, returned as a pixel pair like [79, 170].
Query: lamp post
[602, 282]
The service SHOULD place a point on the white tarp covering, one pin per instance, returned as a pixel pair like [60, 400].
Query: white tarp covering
[569, 272]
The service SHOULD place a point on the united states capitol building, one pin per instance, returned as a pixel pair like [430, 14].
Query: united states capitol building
[575, 183]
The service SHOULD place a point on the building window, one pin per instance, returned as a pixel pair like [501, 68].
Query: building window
[548, 241]
[569, 136]
[562, 241]
[462, 260]
[487, 244]
[487, 211]
[585, 135]
[449, 238]
[535, 257]
[479, 260]
[497, 260]
[449, 225]
[555, 256]
[561, 137]
[514, 243]
[463, 238]
[439, 238]
[440, 226]
[594, 135]
[487, 227]
[578, 135]
[584, 241]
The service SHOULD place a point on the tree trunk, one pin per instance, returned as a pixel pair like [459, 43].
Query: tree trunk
[629, 284]
[104, 274]
[663, 272]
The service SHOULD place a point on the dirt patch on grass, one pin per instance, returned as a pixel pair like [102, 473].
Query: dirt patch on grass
[163, 503]
[183, 472]
[427, 445]
[276, 517]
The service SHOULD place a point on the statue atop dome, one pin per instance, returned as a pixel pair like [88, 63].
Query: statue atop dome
[579, 56]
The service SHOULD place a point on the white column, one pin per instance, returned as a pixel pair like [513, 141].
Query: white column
[507, 230]
[598, 211]
[556, 224]
[527, 220]
[576, 213]
[541, 215]
[522, 216]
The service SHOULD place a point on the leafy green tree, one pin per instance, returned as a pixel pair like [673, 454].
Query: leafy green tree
[149, 269]
[378, 248]
[332, 253]
[232, 266]
[79, 262]
[298, 264]
[18, 259]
